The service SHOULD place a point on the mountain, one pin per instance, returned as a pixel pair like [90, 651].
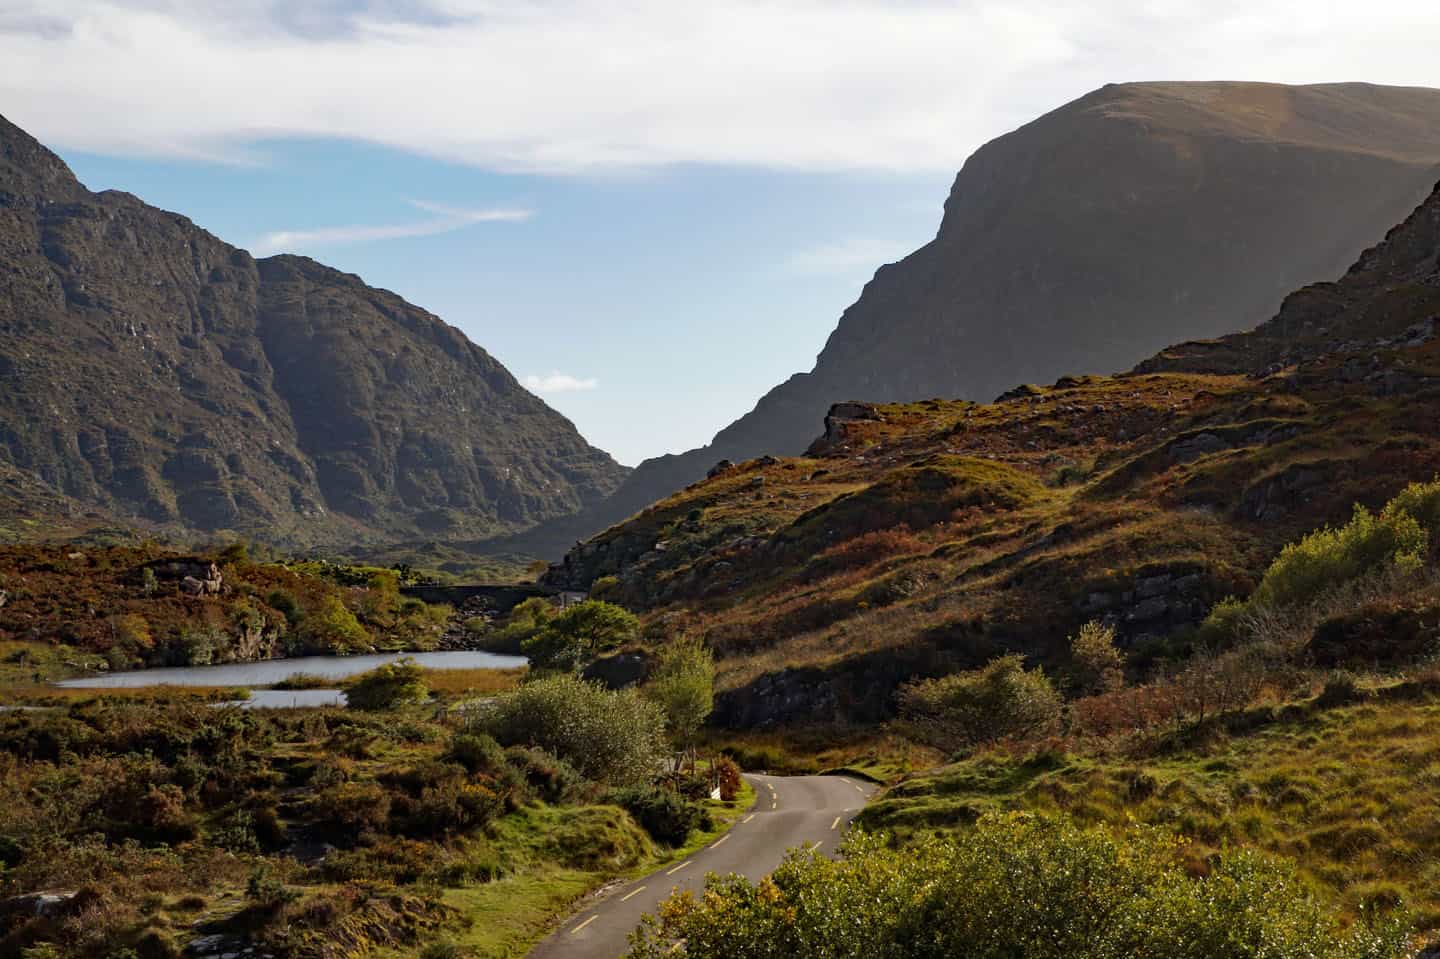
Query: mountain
[1085, 241]
[151, 372]
[916, 539]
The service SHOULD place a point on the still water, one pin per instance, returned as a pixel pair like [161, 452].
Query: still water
[268, 671]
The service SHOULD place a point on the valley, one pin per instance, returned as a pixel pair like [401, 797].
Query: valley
[1082, 601]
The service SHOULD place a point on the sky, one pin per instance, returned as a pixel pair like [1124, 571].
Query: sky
[651, 211]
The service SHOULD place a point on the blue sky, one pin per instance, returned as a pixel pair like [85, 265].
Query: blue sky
[657, 209]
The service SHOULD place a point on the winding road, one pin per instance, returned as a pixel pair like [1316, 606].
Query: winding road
[789, 811]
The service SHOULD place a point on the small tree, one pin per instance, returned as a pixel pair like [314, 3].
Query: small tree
[387, 686]
[331, 627]
[683, 685]
[1099, 665]
[577, 635]
[998, 701]
[523, 623]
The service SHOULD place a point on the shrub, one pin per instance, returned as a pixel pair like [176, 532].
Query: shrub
[1328, 558]
[1037, 887]
[551, 778]
[667, 817]
[350, 810]
[728, 774]
[387, 686]
[477, 753]
[612, 737]
[1099, 665]
[963, 710]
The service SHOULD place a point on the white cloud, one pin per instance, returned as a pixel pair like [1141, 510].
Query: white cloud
[446, 220]
[557, 382]
[583, 85]
[852, 255]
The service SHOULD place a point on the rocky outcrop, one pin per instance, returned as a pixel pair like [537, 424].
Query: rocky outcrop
[154, 373]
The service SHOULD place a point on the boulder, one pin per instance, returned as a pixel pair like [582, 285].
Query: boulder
[724, 466]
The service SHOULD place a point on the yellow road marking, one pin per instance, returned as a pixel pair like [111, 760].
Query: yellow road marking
[747, 819]
[631, 895]
[719, 841]
[584, 924]
[678, 868]
[836, 823]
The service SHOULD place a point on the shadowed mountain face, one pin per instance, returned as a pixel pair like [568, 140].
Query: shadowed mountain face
[149, 370]
[1135, 217]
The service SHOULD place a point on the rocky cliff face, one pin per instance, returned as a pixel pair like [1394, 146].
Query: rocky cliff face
[1135, 217]
[150, 371]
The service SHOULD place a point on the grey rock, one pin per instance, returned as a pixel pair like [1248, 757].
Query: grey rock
[1194, 447]
[1148, 609]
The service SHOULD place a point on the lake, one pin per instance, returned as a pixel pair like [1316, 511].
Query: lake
[266, 672]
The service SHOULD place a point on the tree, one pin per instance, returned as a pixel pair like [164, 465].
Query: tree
[615, 737]
[683, 684]
[387, 686]
[577, 635]
[1099, 665]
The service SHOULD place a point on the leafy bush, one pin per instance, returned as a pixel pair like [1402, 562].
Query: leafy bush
[611, 737]
[667, 817]
[1013, 886]
[387, 686]
[1328, 558]
[549, 777]
[967, 709]
[477, 753]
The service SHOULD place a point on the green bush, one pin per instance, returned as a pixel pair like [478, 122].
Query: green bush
[387, 686]
[546, 775]
[1014, 886]
[967, 709]
[667, 817]
[477, 753]
[611, 737]
[1328, 558]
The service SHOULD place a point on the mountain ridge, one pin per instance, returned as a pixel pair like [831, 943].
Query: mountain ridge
[162, 376]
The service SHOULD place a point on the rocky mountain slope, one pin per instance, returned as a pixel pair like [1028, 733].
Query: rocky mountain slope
[1132, 218]
[151, 372]
[916, 539]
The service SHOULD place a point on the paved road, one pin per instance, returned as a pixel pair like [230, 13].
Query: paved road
[789, 811]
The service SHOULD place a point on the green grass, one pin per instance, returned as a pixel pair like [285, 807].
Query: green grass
[1349, 793]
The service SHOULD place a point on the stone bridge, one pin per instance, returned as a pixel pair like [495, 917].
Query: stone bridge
[499, 598]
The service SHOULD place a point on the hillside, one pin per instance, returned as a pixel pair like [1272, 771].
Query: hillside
[1135, 217]
[153, 374]
[917, 539]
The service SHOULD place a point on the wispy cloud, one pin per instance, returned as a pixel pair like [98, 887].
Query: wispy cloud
[557, 382]
[445, 220]
[857, 254]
